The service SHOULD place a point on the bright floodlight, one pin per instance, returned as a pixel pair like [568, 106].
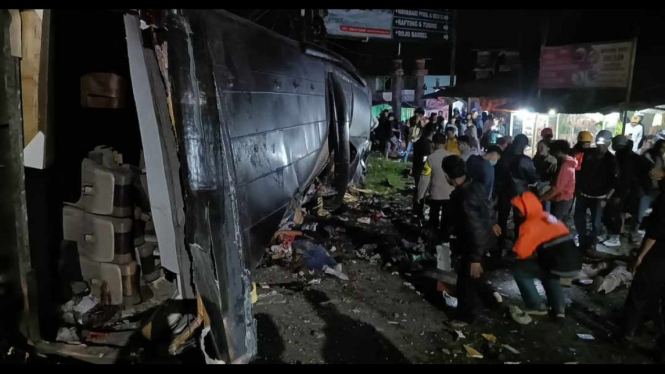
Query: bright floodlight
[551, 112]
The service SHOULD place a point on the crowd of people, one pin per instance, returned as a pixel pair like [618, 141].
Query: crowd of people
[472, 175]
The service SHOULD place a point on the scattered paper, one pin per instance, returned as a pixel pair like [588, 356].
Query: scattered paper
[445, 351]
[472, 352]
[393, 323]
[511, 363]
[515, 351]
[365, 220]
[586, 336]
[460, 335]
[490, 337]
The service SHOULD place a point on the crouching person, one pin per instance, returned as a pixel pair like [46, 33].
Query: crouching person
[545, 250]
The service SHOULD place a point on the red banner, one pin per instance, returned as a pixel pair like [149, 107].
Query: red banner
[588, 65]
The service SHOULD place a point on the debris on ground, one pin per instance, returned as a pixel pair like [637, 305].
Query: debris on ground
[491, 338]
[68, 335]
[364, 220]
[470, 352]
[336, 271]
[519, 316]
[511, 349]
[586, 336]
[620, 276]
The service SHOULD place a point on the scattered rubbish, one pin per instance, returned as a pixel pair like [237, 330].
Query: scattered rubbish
[620, 276]
[511, 363]
[570, 363]
[85, 305]
[443, 261]
[264, 286]
[393, 323]
[497, 297]
[336, 271]
[586, 336]
[446, 351]
[356, 311]
[343, 219]
[394, 273]
[396, 315]
[255, 296]
[364, 220]
[614, 251]
[280, 251]
[519, 316]
[460, 335]
[315, 281]
[585, 281]
[409, 285]
[350, 199]
[451, 301]
[513, 350]
[490, 337]
[270, 294]
[333, 249]
[118, 339]
[67, 335]
[470, 352]
[318, 335]
[311, 226]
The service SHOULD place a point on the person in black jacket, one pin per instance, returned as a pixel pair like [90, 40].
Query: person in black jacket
[597, 182]
[503, 189]
[475, 234]
[649, 280]
[632, 169]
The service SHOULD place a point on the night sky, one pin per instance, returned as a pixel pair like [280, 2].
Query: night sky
[515, 29]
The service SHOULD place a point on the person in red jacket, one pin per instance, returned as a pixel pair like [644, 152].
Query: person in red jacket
[545, 250]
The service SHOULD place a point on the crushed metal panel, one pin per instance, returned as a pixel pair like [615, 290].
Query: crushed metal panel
[212, 229]
[160, 155]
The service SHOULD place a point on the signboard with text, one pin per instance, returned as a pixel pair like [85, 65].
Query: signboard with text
[403, 25]
[586, 66]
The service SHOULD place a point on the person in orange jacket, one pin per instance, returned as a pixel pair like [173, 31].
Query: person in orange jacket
[545, 250]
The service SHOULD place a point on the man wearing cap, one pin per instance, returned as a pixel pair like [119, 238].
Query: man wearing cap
[597, 182]
[547, 135]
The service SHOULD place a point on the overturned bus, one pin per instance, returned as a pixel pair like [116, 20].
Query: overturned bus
[194, 130]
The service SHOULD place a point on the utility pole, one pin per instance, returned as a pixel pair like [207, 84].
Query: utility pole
[420, 74]
[397, 75]
[453, 48]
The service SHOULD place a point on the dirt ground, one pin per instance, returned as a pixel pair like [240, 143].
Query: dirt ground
[389, 311]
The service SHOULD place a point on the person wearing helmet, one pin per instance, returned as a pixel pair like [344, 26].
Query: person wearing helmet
[597, 182]
[632, 170]
[584, 139]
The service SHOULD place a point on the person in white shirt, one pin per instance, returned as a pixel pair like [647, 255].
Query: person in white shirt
[635, 131]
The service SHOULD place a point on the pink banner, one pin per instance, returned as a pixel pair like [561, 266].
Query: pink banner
[588, 65]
